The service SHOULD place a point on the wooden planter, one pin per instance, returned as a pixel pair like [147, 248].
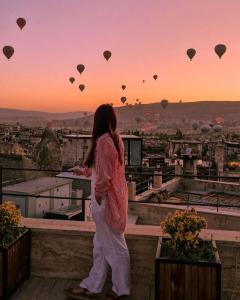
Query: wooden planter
[184, 280]
[14, 264]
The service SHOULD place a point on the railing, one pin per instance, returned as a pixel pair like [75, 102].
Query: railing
[144, 186]
[140, 187]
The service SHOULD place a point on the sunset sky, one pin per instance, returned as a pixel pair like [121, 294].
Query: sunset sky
[146, 37]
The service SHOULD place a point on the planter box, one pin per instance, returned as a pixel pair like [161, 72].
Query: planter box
[187, 280]
[14, 264]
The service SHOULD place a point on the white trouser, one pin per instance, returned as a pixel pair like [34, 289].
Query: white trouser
[109, 249]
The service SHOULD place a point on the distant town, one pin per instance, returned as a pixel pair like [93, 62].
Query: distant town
[203, 149]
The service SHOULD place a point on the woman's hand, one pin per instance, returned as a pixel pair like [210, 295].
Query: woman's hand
[98, 199]
[77, 171]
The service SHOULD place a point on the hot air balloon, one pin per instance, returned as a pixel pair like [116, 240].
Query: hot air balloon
[81, 87]
[155, 77]
[138, 120]
[72, 79]
[8, 51]
[218, 120]
[107, 54]
[123, 86]
[80, 68]
[137, 100]
[164, 103]
[195, 125]
[191, 53]
[220, 49]
[21, 23]
[143, 81]
[123, 99]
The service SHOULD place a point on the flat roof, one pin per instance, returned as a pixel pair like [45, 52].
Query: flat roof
[89, 136]
[36, 186]
[186, 142]
[71, 175]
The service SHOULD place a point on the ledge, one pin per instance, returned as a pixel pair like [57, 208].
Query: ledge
[78, 227]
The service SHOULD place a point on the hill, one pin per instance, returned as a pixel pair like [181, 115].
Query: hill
[174, 113]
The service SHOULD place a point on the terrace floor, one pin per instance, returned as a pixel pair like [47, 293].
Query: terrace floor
[38, 288]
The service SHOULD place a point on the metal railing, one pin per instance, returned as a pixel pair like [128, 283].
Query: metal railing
[144, 186]
[140, 187]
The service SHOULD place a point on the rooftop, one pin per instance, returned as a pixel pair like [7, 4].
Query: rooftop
[36, 186]
[89, 136]
[62, 256]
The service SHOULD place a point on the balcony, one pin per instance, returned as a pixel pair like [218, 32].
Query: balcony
[62, 255]
[62, 250]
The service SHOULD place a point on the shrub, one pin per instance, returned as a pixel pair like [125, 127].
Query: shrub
[184, 228]
[9, 221]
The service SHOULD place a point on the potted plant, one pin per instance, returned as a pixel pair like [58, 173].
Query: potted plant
[187, 267]
[14, 250]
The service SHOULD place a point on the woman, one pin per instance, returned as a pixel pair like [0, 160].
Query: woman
[105, 162]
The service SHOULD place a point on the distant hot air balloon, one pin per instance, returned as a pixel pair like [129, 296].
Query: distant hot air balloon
[138, 120]
[164, 103]
[8, 51]
[143, 81]
[218, 120]
[137, 100]
[191, 53]
[81, 87]
[195, 125]
[72, 79]
[107, 54]
[220, 49]
[21, 23]
[123, 99]
[155, 77]
[123, 86]
[80, 68]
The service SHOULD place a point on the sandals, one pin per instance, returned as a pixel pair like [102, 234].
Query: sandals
[81, 293]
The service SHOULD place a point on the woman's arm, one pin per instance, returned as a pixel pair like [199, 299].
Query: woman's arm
[82, 171]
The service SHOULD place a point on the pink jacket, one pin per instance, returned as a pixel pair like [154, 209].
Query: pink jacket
[110, 181]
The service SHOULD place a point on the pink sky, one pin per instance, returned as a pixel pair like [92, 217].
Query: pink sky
[145, 37]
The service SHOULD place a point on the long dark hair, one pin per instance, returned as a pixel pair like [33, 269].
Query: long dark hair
[105, 121]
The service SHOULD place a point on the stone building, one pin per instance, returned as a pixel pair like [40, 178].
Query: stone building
[47, 153]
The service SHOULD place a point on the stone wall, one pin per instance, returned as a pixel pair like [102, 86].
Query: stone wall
[68, 255]
[21, 162]
[62, 253]
[171, 185]
[153, 214]
[211, 186]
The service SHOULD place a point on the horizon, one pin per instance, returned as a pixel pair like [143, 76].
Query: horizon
[144, 39]
[121, 106]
